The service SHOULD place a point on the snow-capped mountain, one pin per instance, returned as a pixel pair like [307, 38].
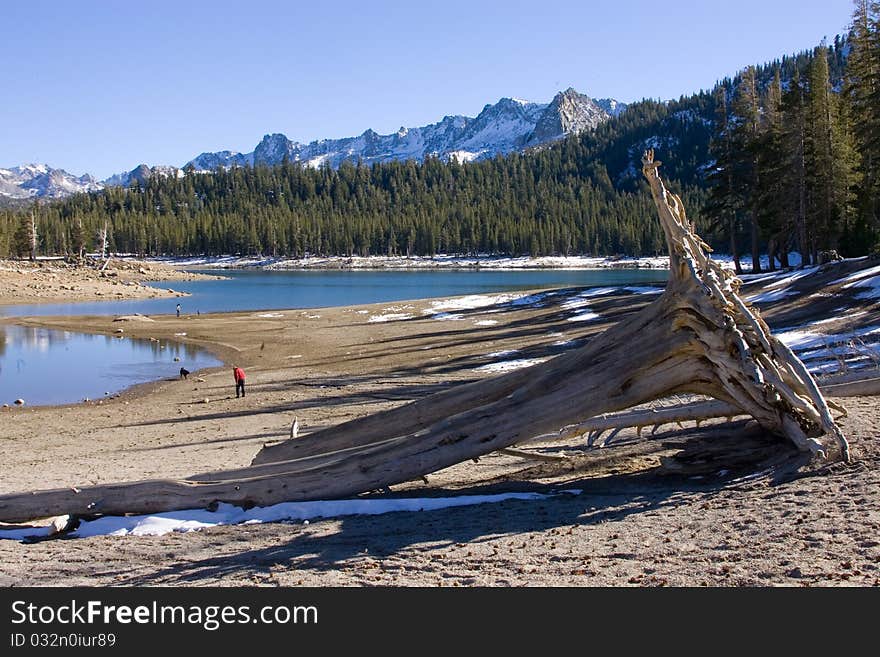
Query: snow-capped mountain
[569, 112]
[42, 181]
[210, 161]
[613, 107]
[141, 173]
[508, 125]
[504, 127]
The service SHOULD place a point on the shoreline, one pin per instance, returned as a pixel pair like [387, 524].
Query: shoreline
[438, 262]
[451, 262]
[53, 280]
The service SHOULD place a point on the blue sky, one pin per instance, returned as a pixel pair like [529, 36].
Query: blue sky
[101, 86]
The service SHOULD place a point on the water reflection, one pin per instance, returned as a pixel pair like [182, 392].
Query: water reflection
[44, 366]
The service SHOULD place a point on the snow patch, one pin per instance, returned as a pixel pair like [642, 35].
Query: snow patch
[227, 514]
[502, 354]
[509, 365]
[390, 317]
[584, 317]
[473, 301]
[857, 276]
[871, 285]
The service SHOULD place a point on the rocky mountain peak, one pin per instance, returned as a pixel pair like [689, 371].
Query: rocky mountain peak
[568, 113]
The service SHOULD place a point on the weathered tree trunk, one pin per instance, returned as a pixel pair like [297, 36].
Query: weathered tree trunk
[698, 337]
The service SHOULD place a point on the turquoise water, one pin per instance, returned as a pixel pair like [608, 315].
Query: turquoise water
[272, 290]
[45, 366]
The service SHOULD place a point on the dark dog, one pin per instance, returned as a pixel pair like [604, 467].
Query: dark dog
[184, 373]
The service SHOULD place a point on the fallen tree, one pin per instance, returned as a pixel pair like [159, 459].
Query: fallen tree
[698, 337]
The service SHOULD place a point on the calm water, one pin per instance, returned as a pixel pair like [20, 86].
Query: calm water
[267, 290]
[45, 366]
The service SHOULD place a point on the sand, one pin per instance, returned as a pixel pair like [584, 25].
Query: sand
[640, 519]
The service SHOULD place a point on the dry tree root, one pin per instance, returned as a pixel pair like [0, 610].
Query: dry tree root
[699, 337]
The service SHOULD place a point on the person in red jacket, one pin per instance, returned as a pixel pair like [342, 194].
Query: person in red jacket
[238, 375]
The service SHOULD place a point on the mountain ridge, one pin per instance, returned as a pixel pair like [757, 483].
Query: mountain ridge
[503, 127]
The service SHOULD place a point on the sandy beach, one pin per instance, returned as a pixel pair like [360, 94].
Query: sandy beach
[646, 514]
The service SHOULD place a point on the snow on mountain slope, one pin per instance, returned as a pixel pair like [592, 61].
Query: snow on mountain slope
[509, 125]
[569, 112]
[211, 161]
[42, 181]
[142, 173]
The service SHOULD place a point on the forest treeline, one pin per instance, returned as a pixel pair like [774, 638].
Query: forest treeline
[779, 158]
[556, 200]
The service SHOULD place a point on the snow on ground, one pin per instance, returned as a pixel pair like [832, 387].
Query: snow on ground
[509, 365]
[441, 261]
[575, 302]
[446, 261]
[642, 290]
[780, 287]
[629, 289]
[831, 352]
[389, 317]
[502, 354]
[584, 316]
[870, 272]
[449, 317]
[534, 300]
[581, 304]
[268, 315]
[771, 295]
[581, 301]
[472, 302]
[486, 322]
[227, 514]
[392, 314]
[801, 339]
[866, 278]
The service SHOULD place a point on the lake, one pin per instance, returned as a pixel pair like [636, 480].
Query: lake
[45, 366]
[273, 290]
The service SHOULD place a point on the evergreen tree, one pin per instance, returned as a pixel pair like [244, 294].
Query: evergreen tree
[725, 199]
[21, 239]
[746, 136]
[774, 215]
[829, 160]
[862, 90]
[794, 188]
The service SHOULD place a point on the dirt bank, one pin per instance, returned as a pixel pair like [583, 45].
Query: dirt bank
[48, 281]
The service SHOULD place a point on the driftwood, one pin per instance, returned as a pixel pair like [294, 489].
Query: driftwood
[698, 337]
